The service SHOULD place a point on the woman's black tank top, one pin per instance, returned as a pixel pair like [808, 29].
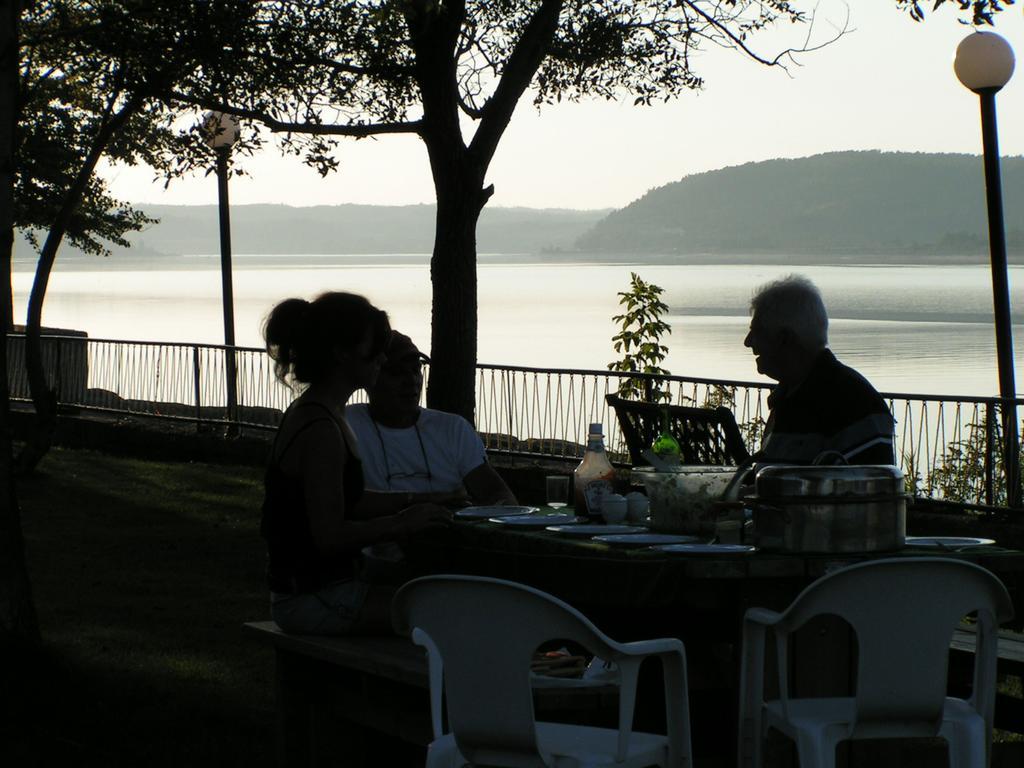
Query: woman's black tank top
[294, 564]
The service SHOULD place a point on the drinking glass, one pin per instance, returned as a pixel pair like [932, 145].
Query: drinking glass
[557, 490]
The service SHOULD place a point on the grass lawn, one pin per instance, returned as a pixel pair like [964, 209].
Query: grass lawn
[143, 573]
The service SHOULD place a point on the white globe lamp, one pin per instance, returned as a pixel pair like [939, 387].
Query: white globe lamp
[983, 61]
[220, 130]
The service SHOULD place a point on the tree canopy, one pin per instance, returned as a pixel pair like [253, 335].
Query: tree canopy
[976, 12]
[94, 82]
[111, 78]
[94, 76]
[453, 72]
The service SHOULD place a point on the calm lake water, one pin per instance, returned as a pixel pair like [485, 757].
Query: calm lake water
[908, 328]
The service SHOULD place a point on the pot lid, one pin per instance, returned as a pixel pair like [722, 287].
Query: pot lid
[842, 480]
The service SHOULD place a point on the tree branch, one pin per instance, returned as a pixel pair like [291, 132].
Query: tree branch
[338, 66]
[474, 112]
[360, 130]
[355, 131]
[522, 65]
[738, 42]
[434, 31]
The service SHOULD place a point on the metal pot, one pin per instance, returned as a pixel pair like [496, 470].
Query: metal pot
[829, 508]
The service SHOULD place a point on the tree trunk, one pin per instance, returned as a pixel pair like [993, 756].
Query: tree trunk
[44, 399]
[458, 172]
[19, 628]
[453, 333]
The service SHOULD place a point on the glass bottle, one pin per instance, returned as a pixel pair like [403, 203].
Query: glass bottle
[593, 477]
[666, 447]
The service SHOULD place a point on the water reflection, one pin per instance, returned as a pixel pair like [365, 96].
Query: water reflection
[908, 328]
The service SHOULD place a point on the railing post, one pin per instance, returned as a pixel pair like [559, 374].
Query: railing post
[990, 448]
[232, 392]
[58, 360]
[510, 408]
[197, 386]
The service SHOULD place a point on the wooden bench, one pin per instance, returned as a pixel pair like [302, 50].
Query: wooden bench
[340, 698]
[330, 690]
[1009, 714]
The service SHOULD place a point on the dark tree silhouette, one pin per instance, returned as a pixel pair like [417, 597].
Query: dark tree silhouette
[452, 72]
[19, 629]
[94, 84]
[439, 70]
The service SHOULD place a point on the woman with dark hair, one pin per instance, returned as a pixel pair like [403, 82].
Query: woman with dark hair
[328, 348]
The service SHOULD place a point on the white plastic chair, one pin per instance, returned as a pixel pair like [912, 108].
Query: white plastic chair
[481, 634]
[904, 612]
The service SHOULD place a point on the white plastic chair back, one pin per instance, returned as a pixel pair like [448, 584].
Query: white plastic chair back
[904, 612]
[486, 631]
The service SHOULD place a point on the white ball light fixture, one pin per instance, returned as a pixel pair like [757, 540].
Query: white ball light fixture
[984, 61]
[220, 129]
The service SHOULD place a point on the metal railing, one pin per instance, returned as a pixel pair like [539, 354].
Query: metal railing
[947, 445]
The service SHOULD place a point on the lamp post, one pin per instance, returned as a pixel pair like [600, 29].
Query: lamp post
[984, 63]
[220, 131]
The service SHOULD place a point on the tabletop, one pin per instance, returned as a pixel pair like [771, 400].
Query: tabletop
[631, 582]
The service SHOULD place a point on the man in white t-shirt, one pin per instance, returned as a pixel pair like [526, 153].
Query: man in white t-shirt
[412, 454]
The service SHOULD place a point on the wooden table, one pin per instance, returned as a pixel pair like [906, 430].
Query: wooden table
[624, 586]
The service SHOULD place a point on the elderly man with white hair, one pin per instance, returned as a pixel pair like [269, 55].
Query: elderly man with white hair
[820, 405]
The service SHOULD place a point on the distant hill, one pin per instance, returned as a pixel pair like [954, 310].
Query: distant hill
[831, 207]
[340, 229]
[357, 229]
[923, 205]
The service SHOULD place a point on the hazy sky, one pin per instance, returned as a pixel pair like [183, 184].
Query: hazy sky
[888, 83]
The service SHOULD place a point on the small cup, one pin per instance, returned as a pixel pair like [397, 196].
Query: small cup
[637, 507]
[613, 508]
[556, 488]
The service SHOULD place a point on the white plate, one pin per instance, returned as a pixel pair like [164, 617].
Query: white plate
[708, 549]
[483, 513]
[592, 529]
[645, 539]
[533, 521]
[947, 542]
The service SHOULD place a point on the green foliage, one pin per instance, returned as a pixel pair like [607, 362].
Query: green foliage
[318, 71]
[639, 340]
[719, 394]
[315, 72]
[961, 476]
[912, 480]
[981, 12]
[752, 431]
[96, 78]
[99, 79]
